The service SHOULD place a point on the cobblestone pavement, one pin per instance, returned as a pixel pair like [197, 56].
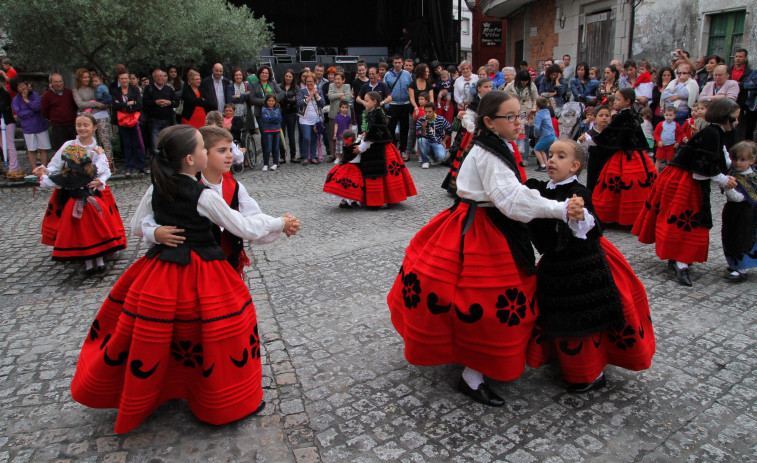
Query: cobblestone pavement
[335, 378]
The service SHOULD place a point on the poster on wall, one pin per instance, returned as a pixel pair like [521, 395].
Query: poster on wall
[491, 33]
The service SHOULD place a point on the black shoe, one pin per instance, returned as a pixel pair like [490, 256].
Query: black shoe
[100, 269]
[580, 388]
[90, 271]
[344, 205]
[683, 276]
[672, 264]
[483, 394]
[260, 408]
[731, 278]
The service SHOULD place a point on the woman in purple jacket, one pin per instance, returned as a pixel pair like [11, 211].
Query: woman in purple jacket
[34, 126]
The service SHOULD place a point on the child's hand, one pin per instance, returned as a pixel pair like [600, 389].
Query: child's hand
[242, 150]
[39, 171]
[659, 144]
[95, 183]
[356, 150]
[731, 184]
[582, 138]
[99, 150]
[576, 208]
[675, 145]
[167, 235]
[291, 224]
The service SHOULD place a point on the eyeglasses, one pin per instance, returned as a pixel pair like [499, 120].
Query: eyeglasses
[684, 72]
[510, 117]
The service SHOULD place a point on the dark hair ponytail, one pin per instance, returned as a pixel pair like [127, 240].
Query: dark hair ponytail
[174, 144]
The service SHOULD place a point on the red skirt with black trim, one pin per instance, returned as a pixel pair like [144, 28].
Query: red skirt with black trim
[622, 187]
[54, 212]
[345, 181]
[631, 347]
[669, 218]
[169, 331]
[451, 180]
[395, 186]
[479, 310]
[87, 237]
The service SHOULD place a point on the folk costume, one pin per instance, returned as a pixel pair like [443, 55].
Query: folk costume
[619, 172]
[739, 233]
[677, 216]
[179, 323]
[593, 309]
[84, 229]
[387, 180]
[54, 212]
[345, 180]
[465, 292]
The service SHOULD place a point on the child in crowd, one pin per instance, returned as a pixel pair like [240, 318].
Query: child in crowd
[345, 181]
[215, 118]
[696, 122]
[544, 133]
[676, 215]
[420, 111]
[179, 323]
[85, 130]
[619, 169]
[443, 89]
[465, 292]
[739, 232]
[84, 230]
[601, 314]
[218, 178]
[102, 93]
[587, 123]
[601, 121]
[342, 122]
[387, 180]
[270, 124]
[667, 137]
[433, 132]
[647, 127]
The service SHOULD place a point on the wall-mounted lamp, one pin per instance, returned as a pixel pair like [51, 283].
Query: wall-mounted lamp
[561, 17]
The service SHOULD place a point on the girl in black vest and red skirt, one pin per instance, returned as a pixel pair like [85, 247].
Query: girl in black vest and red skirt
[179, 323]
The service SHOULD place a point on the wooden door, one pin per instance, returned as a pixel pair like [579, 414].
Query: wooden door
[726, 34]
[596, 39]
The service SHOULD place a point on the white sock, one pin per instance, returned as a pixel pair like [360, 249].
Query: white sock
[681, 265]
[88, 264]
[600, 375]
[100, 261]
[473, 378]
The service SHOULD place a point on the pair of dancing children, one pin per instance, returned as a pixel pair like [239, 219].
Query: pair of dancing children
[81, 222]
[371, 171]
[180, 322]
[469, 292]
[677, 215]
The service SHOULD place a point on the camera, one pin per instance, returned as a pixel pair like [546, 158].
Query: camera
[674, 55]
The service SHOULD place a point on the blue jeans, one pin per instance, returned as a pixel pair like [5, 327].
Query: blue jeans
[289, 126]
[270, 144]
[132, 151]
[426, 148]
[308, 142]
[156, 125]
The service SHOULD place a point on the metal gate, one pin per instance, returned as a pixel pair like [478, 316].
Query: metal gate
[596, 39]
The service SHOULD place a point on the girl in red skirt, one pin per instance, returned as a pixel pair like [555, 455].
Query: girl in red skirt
[387, 180]
[601, 315]
[84, 231]
[677, 216]
[51, 223]
[345, 181]
[466, 290]
[179, 323]
[619, 172]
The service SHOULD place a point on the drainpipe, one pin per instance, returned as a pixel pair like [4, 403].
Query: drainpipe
[630, 33]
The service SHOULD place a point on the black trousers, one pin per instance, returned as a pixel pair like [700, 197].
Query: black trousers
[60, 134]
[399, 113]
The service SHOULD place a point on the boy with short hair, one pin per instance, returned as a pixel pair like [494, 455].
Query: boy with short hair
[432, 132]
[667, 137]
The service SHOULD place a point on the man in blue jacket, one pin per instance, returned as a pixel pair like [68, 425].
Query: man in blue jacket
[399, 108]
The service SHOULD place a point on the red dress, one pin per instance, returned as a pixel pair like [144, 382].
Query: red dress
[197, 119]
[51, 222]
[171, 330]
[345, 180]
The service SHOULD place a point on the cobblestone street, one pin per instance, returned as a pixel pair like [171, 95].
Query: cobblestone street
[336, 381]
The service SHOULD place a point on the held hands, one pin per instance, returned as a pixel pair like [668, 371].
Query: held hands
[582, 138]
[291, 224]
[731, 184]
[169, 236]
[576, 208]
[95, 183]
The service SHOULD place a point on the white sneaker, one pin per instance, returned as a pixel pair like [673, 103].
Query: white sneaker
[274, 167]
[336, 161]
[265, 168]
[424, 165]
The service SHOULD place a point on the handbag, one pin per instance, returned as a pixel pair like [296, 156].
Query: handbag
[179, 109]
[128, 119]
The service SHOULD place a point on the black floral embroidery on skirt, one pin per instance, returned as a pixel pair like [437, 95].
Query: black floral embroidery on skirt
[512, 307]
[411, 291]
[184, 352]
[395, 168]
[624, 337]
[688, 220]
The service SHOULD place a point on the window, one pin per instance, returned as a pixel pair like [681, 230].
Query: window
[726, 34]
[465, 26]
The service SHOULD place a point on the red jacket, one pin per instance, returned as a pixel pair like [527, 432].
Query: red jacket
[658, 133]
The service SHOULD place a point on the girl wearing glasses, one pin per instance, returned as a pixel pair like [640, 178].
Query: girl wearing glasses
[466, 290]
